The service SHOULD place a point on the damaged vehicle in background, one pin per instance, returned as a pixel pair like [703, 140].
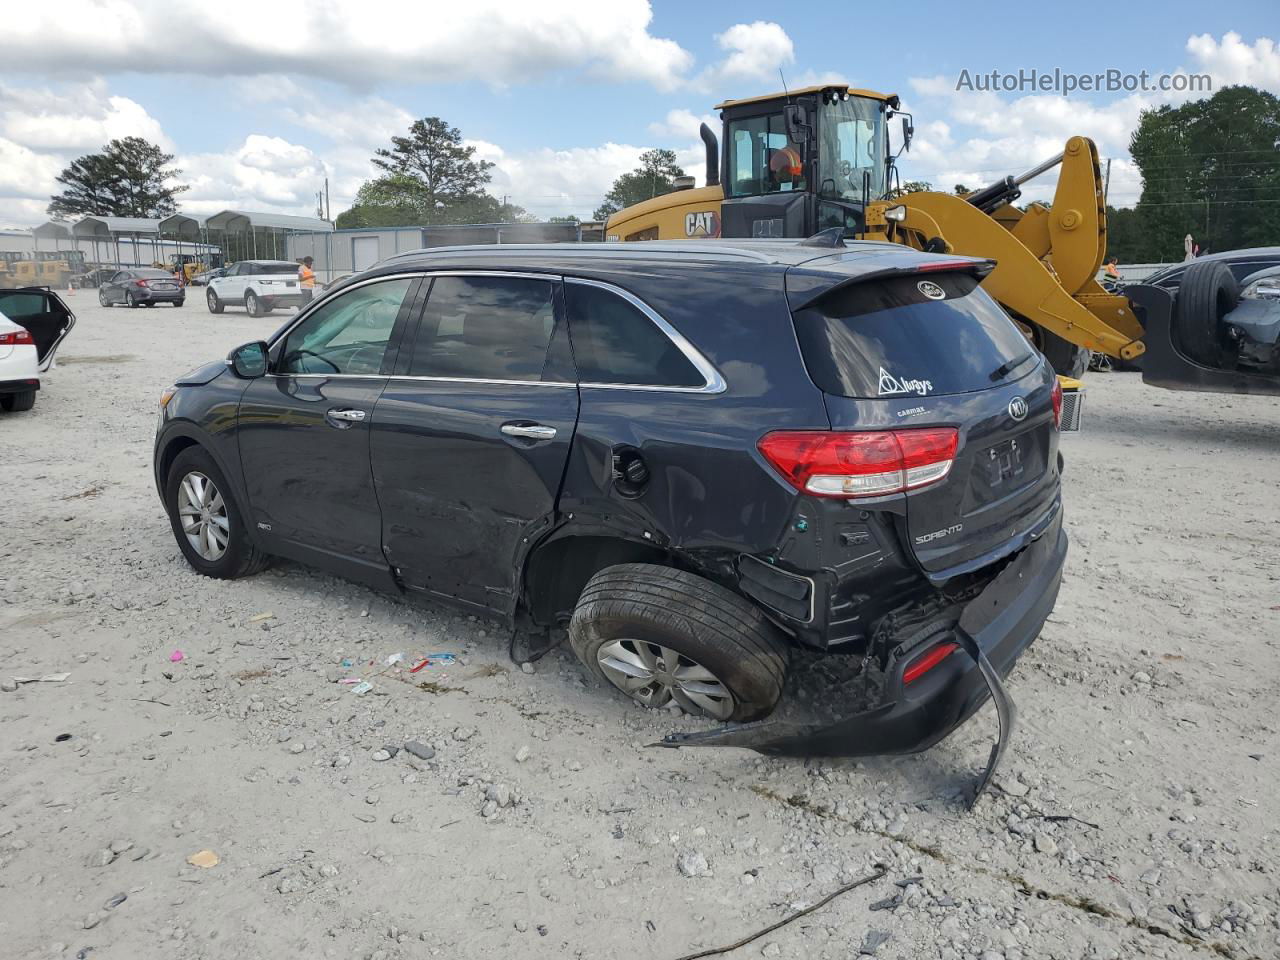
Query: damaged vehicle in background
[709, 460]
[33, 322]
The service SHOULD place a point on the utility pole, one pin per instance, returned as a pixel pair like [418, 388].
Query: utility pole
[326, 200]
[1106, 183]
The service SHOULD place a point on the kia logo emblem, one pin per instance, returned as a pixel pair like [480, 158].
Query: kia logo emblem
[931, 290]
[1018, 408]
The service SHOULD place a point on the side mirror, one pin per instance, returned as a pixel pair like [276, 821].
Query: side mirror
[795, 118]
[908, 131]
[249, 361]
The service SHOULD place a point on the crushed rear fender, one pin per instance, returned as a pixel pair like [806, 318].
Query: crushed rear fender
[992, 632]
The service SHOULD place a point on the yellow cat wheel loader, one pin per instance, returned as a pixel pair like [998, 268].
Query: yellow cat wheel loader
[816, 163]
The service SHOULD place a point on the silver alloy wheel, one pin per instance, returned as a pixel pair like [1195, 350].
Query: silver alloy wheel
[654, 676]
[203, 515]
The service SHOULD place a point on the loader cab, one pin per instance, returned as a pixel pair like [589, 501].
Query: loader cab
[804, 162]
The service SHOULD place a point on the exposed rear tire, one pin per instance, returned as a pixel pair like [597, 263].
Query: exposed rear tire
[18, 402]
[637, 610]
[227, 552]
[1207, 294]
[215, 305]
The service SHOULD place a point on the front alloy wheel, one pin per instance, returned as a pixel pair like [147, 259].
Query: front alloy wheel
[203, 515]
[654, 675]
[102, 298]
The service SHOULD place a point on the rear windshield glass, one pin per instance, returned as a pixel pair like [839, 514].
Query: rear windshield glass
[290, 268]
[911, 336]
[150, 274]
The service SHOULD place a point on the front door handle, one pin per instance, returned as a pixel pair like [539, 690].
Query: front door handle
[529, 431]
[346, 415]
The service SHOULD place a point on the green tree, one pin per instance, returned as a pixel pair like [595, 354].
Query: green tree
[430, 177]
[911, 186]
[129, 178]
[434, 155]
[1210, 168]
[400, 200]
[960, 190]
[655, 176]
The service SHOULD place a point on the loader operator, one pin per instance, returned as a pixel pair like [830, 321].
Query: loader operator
[786, 169]
[1112, 271]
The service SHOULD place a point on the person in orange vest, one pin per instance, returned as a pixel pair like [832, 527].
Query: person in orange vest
[1111, 270]
[307, 280]
[786, 167]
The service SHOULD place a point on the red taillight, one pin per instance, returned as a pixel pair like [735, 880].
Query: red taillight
[927, 661]
[1057, 403]
[140, 283]
[16, 339]
[868, 464]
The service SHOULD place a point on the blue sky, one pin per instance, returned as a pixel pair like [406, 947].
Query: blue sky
[266, 99]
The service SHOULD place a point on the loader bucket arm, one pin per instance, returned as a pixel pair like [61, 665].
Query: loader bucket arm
[1046, 258]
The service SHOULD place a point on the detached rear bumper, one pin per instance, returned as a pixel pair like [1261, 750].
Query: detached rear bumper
[1002, 621]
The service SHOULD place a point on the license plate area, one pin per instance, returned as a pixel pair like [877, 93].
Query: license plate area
[1005, 464]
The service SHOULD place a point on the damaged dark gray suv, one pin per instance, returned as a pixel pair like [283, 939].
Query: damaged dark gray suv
[707, 459]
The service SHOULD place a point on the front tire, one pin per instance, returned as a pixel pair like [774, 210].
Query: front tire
[206, 520]
[1064, 356]
[1208, 292]
[18, 402]
[660, 635]
[251, 304]
[215, 305]
[102, 298]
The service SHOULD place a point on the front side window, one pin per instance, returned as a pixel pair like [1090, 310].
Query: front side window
[851, 145]
[615, 343]
[762, 159]
[347, 335]
[485, 328]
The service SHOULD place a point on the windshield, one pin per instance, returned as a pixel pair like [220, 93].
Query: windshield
[761, 158]
[851, 143]
[891, 337]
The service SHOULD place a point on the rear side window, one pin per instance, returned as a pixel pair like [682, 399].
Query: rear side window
[615, 343]
[920, 335]
[485, 328]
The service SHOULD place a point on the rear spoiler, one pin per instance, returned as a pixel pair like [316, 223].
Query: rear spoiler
[806, 286]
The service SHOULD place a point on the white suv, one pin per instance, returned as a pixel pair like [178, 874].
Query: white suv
[260, 285]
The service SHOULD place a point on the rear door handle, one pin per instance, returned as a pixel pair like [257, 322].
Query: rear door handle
[529, 431]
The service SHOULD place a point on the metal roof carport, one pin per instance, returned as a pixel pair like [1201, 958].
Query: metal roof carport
[110, 229]
[54, 230]
[273, 227]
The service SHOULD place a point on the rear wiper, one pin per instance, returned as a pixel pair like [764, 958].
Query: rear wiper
[1010, 366]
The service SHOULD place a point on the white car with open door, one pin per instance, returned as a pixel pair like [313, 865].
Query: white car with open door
[259, 285]
[33, 321]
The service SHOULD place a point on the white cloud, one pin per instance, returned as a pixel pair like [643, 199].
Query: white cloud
[683, 124]
[77, 118]
[1233, 61]
[989, 135]
[370, 122]
[263, 173]
[756, 51]
[360, 43]
[549, 182]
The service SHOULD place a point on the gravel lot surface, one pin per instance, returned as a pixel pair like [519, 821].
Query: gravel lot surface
[1136, 815]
